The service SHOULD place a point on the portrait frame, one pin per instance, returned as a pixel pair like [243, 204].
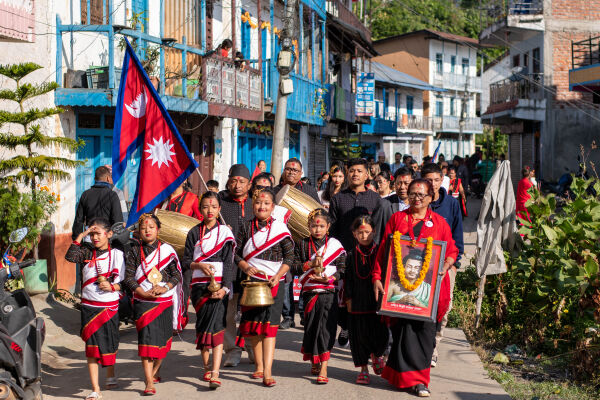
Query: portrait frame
[421, 303]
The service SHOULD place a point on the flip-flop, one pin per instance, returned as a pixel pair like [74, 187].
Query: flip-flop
[207, 375]
[156, 379]
[269, 382]
[93, 396]
[215, 383]
[149, 392]
[363, 378]
[315, 369]
[377, 364]
[111, 382]
[322, 380]
[257, 375]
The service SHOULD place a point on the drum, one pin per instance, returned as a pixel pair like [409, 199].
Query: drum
[300, 205]
[174, 228]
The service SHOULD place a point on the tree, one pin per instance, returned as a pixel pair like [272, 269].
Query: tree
[32, 167]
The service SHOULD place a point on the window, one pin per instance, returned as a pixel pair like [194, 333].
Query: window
[526, 60]
[452, 107]
[88, 120]
[439, 107]
[536, 60]
[453, 64]
[96, 16]
[409, 105]
[516, 60]
[439, 63]
[465, 66]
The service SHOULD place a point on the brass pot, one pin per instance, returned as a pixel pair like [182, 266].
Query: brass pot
[256, 294]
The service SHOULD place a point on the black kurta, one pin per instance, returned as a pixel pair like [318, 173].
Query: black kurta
[367, 332]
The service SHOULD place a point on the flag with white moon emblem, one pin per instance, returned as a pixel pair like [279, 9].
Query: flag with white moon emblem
[142, 120]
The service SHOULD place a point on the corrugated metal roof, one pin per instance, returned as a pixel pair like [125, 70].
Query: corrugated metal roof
[383, 73]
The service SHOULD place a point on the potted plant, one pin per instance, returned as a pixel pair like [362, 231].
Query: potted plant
[33, 163]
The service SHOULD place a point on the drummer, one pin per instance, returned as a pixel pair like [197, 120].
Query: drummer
[236, 209]
[183, 202]
[292, 173]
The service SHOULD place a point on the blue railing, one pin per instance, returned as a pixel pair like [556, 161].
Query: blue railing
[380, 125]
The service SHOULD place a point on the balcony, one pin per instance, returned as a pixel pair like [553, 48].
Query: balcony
[585, 58]
[516, 20]
[382, 123]
[231, 91]
[414, 123]
[452, 124]
[457, 82]
[521, 98]
[338, 10]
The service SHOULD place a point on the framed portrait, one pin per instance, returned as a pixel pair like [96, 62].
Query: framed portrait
[416, 296]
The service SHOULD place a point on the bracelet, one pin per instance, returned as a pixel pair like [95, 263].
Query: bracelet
[76, 243]
[112, 288]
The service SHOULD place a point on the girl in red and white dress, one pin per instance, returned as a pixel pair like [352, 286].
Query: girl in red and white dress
[318, 290]
[101, 276]
[153, 274]
[209, 250]
[265, 253]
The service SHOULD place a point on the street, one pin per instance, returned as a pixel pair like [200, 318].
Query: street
[459, 375]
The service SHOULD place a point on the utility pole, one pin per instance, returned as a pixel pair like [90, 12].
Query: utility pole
[285, 64]
[463, 119]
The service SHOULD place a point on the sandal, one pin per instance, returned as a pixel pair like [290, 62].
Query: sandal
[315, 369]
[215, 383]
[377, 364]
[363, 378]
[322, 380]
[422, 390]
[93, 396]
[257, 375]
[207, 375]
[111, 383]
[156, 379]
[269, 382]
[149, 392]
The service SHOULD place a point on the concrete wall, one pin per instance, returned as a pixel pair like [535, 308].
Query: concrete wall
[409, 55]
[448, 49]
[495, 73]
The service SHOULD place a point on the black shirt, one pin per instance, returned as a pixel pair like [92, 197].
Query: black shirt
[358, 286]
[304, 188]
[303, 252]
[347, 205]
[98, 201]
[235, 213]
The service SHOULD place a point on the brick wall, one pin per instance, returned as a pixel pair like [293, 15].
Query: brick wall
[576, 9]
[561, 62]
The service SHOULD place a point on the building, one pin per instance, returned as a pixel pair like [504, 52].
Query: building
[495, 70]
[445, 61]
[545, 121]
[399, 123]
[223, 110]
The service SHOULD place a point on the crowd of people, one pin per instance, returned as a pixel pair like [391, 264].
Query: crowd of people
[243, 237]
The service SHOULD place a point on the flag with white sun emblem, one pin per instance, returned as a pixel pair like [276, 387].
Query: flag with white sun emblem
[141, 120]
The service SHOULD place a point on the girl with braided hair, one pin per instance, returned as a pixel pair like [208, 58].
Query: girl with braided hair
[318, 260]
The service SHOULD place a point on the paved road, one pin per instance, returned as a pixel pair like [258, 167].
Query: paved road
[460, 374]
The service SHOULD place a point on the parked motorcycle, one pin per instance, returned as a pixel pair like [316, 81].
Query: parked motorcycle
[21, 333]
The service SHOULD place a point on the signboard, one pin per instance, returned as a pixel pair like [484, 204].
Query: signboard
[297, 288]
[365, 94]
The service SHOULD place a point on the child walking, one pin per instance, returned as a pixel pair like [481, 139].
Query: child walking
[319, 260]
[101, 275]
[209, 250]
[154, 276]
[368, 334]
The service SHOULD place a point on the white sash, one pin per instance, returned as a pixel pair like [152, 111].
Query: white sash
[333, 251]
[279, 231]
[211, 244]
[281, 214]
[91, 295]
[167, 254]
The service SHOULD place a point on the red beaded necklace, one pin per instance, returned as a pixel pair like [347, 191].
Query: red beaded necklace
[314, 248]
[143, 258]
[364, 258]
[94, 262]
[269, 226]
[202, 236]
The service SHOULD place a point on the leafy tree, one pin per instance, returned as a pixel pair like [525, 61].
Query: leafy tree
[32, 167]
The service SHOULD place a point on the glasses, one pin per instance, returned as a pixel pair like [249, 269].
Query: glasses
[420, 196]
[292, 170]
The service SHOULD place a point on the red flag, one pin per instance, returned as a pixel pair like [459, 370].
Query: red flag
[256, 172]
[142, 120]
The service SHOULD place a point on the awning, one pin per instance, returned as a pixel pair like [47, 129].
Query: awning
[391, 76]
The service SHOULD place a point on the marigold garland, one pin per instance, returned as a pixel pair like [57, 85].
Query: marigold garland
[400, 266]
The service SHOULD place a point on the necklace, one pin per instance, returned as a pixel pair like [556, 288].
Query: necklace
[411, 233]
[268, 226]
[94, 260]
[314, 248]
[364, 258]
[202, 236]
[153, 276]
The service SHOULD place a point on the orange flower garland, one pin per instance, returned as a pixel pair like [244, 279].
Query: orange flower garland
[400, 266]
